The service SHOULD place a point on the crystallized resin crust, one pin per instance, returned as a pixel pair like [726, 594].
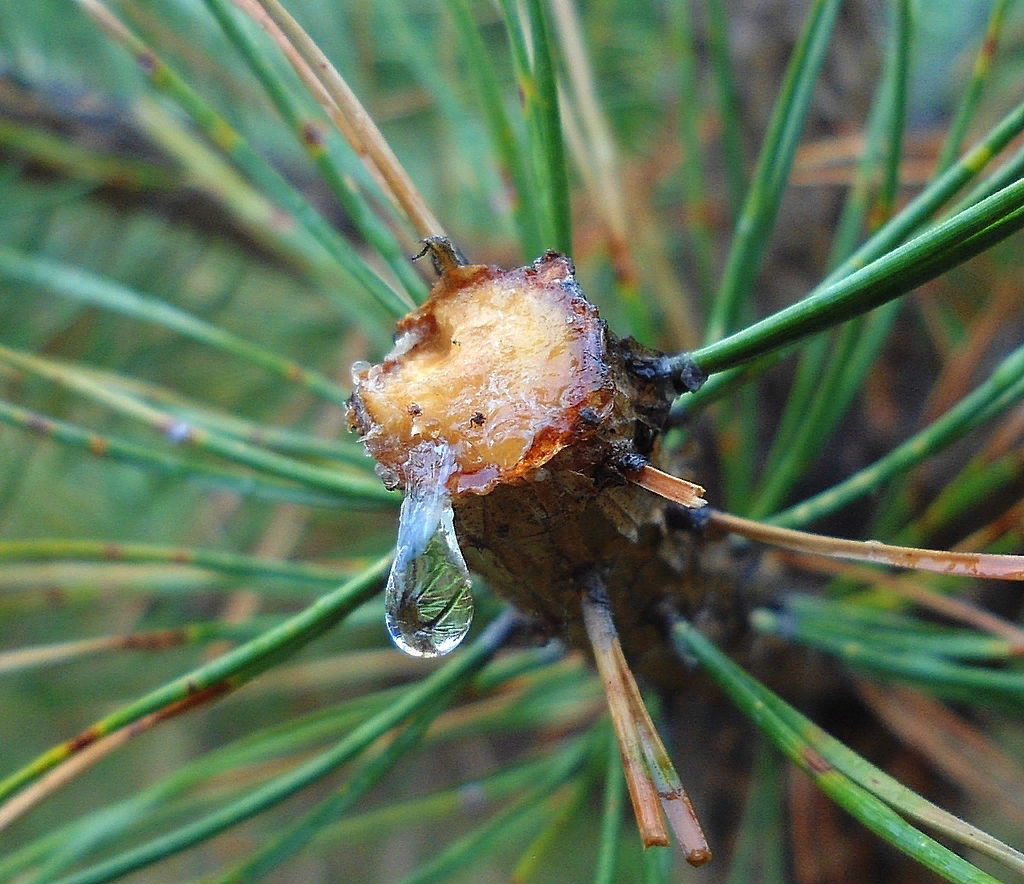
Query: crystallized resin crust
[506, 367]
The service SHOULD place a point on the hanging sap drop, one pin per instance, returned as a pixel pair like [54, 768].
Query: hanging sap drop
[428, 602]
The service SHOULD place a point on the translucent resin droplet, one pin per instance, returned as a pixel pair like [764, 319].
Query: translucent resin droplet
[428, 603]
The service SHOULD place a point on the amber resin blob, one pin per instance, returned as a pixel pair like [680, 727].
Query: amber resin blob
[505, 367]
[510, 416]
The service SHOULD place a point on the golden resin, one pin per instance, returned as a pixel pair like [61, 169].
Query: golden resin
[505, 367]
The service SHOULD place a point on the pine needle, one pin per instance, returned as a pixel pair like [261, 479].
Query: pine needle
[653, 783]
